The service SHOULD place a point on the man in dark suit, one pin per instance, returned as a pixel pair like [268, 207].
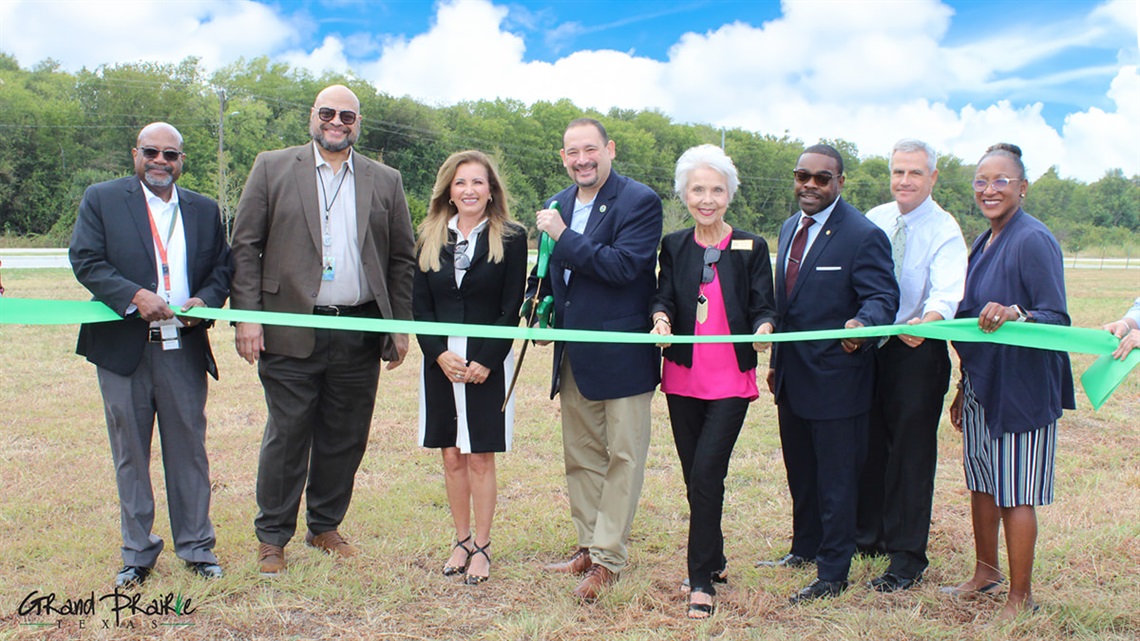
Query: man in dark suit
[833, 269]
[141, 245]
[602, 275]
[319, 230]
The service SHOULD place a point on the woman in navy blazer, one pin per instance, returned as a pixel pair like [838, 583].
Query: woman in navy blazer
[472, 269]
[713, 280]
[1009, 398]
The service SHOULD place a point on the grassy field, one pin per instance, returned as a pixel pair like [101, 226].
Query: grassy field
[61, 518]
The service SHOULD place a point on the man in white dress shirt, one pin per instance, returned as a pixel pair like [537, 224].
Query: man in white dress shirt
[897, 485]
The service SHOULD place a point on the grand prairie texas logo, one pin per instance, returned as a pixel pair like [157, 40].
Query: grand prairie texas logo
[112, 610]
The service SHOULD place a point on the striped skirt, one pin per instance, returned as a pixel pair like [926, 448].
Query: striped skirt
[1016, 469]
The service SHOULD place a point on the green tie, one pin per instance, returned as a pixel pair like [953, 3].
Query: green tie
[898, 246]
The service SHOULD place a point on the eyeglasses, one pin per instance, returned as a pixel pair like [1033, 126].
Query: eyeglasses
[822, 179]
[999, 184]
[169, 155]
[326, 114]
[462, 260]
[712, 255]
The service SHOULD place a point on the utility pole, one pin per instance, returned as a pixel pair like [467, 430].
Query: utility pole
[223, 199]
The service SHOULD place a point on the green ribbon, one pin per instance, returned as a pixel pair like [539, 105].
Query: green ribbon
[1099, 380]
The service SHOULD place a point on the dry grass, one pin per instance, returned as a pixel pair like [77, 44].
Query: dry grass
[60, 515]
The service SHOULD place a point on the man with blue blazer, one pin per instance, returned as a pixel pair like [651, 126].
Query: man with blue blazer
[833, 270]
[141, 245]
[602, 276]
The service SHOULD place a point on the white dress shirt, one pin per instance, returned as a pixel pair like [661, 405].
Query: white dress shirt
[933, 277]
[163, 213]
[349, 285]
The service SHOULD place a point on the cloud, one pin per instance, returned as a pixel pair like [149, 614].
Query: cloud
[119, 31]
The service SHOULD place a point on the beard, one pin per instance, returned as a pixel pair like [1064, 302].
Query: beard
[318, 133]
[589, 182]
[162, 182]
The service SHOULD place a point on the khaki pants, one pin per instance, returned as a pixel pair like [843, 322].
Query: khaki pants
[605, 445]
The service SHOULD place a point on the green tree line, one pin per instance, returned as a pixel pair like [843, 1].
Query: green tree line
[62, 131]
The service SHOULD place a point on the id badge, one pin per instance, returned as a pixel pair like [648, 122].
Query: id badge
[328, 268]
[170, 338]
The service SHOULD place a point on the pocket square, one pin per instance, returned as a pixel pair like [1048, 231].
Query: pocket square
[828, 268]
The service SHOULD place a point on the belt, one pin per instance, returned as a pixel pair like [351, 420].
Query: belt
[155, 334]
[345, 310]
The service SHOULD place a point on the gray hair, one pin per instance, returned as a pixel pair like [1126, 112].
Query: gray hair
[910, 145]
[709, 156]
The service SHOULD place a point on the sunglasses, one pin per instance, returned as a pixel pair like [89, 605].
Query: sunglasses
[462, 260]
[999, 184]
[822, 179]
[712, 256]
[326, 114]
[169, 155]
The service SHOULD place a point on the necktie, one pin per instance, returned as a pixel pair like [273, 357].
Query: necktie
[797, 254]
[898, 246]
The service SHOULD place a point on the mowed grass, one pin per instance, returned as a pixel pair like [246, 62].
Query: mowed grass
[61, 522]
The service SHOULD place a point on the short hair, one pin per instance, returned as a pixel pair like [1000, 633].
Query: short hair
[581, 122]
[911, 145]
[1011, 151]
[709, 156]
[826, 150]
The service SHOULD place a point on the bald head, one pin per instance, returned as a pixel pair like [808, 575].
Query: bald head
[157, 127]
[338, 104]
[339, 93]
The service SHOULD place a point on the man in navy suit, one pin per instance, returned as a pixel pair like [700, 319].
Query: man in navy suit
[833, 269]
[602, 275]
[141, 245]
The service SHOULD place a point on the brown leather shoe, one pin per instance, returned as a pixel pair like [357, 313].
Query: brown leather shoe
[597, 578]
[578, 563]
[271, 558]
[332, 543]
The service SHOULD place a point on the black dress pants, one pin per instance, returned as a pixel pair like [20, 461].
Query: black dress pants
[705, 432]
[320, 411]
[897, 485]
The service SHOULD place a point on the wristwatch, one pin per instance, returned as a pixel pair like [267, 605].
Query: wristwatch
[1022, 315]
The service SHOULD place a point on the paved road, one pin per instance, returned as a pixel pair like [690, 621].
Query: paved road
[46, 258]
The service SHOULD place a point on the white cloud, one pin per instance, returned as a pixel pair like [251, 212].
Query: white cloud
[79, 33]
[869, 72]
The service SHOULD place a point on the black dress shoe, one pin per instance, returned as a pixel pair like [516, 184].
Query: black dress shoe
[891, 582]
[818, 589]
[206, 569]
[131, 576]
[789, 561]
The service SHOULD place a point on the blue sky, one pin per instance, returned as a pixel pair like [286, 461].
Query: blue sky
[1058, 78]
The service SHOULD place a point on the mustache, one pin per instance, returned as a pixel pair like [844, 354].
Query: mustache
[155, 167]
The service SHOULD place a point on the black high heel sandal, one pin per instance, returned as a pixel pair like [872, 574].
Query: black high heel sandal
[452, 570]
[474, 579]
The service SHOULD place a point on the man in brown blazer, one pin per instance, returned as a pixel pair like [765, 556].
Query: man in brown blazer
[319, 230]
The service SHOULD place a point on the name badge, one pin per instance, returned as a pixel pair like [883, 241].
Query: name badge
[328, 268]
[741, 244]
[828, 268]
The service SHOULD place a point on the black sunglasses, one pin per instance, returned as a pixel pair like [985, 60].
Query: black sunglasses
[821, 179]
[462, 260]
[326, 114]
[712, 255]
[169, 155]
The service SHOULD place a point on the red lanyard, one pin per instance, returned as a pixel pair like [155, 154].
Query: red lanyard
[162, 246]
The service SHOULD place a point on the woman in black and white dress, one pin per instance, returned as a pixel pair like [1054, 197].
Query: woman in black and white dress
[472, 261]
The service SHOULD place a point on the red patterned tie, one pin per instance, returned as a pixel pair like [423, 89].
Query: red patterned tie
[797, 255]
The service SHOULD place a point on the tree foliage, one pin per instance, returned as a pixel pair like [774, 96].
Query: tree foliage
[60, 132]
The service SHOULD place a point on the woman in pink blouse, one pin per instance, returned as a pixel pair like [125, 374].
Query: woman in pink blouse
[714, 280]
